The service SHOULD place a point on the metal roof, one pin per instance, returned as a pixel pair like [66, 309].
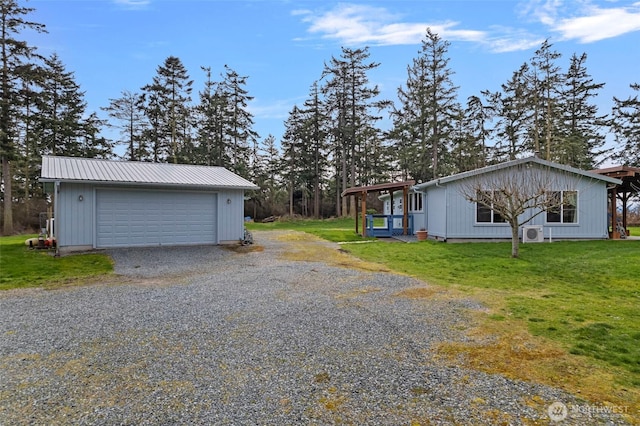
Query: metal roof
[73, 169]
[513, 163]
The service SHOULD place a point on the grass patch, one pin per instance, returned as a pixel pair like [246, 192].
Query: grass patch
[21, 267]
[336, 230]
[563, 314]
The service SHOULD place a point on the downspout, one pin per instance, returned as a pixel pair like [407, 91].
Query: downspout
[56, 221]
[446, 216]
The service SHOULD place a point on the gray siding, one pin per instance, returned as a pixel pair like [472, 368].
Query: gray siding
[230, 215]
[76, 220]
[460, 213]
[436, 208]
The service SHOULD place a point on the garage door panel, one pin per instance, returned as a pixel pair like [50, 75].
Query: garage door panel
[143, 218]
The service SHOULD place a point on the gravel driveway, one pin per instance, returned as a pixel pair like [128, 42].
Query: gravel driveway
[205, 335]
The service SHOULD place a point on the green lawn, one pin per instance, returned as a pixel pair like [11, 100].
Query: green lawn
[22, 267]
[337, 230]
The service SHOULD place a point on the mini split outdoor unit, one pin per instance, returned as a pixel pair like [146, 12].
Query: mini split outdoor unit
[532, 234]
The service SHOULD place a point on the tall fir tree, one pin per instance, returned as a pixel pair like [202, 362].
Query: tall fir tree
[428, 109]
[513, 116]
[581, 141]
[238, 126]
[61, 109]
[625, 124]
[167, 107]
[353, 107]
[546, 81]
[16, 56]
[212, 115]
[129, 118]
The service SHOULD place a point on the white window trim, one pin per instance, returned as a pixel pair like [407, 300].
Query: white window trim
[561, 223]
[492, 223]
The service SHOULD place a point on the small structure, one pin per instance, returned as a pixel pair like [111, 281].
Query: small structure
[103, 204]
[448, 215]
[399, 224]
[630, 186]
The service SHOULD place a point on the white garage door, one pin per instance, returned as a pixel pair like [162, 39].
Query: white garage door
[148, 218]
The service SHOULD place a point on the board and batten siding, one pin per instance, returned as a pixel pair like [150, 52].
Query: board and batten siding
[76, 226]
[230, 216]
[74, 217]
[592, 213]
[435, 208]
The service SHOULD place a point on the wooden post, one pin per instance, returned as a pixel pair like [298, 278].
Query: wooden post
[357, 219]
[614, 214]
[405, 210]
[364, 213]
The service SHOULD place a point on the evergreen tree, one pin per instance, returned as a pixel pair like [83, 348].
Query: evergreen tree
[212, 115]
[61, 108]
[513, 116]
[292, 143]
[15, 57]
[545, 91]
[316, 152]
[130, 120]
[428, 109]
[625, 124]
[580, 140]
[167, 109]
[238, 125]
[351, 105]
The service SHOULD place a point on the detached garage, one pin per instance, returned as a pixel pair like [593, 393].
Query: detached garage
[106, 204]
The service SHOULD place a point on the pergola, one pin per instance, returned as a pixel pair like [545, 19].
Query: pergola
[362, 191]
[630, 177]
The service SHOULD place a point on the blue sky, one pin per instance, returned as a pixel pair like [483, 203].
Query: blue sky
[281, 45]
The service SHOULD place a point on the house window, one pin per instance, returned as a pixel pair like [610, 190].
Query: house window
[484, 209]
[567, 211]
[415, 202]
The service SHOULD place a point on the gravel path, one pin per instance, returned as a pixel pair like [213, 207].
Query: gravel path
[205, 335]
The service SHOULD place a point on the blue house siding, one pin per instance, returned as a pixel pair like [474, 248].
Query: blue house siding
[74, 218]
[436, 211]
[449, 215]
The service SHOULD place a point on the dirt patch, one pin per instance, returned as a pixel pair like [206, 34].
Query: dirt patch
[309, 248]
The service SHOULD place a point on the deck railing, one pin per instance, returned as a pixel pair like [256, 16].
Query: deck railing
[387, 225]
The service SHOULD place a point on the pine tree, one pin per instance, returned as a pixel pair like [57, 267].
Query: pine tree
[545, 92]
[513, 116]
[15, 56]
[292, 143]
[428, 109]
[130, 120]
[61, 108]
[167, 109]
[625, 124]
[316, 152]
[350, 104]
[212, 115]
[238, 130]
[580, 140]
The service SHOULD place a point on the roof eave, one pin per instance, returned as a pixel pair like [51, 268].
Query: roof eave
[149, 184]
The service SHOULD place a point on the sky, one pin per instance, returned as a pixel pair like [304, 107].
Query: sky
[282, 45]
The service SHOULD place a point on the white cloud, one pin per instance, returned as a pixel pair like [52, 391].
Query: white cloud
[583, 21]
[359, 24]
[133, 4]
[599, 24]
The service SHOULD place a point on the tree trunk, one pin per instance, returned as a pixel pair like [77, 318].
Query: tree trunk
[515, 241]
[8, 197]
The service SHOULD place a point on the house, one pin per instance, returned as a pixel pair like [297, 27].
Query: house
[444, 209]
[104, 204]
